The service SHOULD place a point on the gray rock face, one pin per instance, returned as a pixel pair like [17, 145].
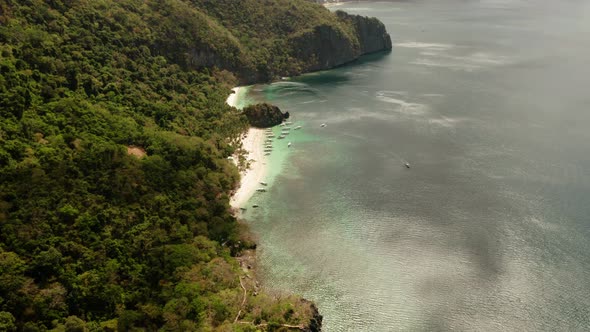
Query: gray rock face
[327, 47]
[315, 323]
[370, 31]
[324, 47]
[264, 115]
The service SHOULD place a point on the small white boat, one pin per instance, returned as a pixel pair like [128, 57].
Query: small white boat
[297, 128]
[288, 122]
[289, 144]
[264, 183]
[255, 205]
[261, 190]
[323, 125]
[281, 137]
[268, 146]
[407, 165]
[267, 154]
[282, 124]
[270, 135]
[230, 158]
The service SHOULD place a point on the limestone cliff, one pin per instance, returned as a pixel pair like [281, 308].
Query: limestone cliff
[370, 32]
[329, 46]
[324, 47]
[262, 43]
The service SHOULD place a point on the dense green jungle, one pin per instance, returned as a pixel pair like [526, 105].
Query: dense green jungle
[114, 177]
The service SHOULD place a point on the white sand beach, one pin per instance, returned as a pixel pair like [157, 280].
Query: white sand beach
[253, 143]
[251, 178]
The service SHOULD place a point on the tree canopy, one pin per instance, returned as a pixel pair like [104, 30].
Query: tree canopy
[114, 178]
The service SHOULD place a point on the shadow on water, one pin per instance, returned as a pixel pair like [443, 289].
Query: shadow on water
[338, 76]
[324, 78]
[311, 83]
[373, 58]
[288, 88]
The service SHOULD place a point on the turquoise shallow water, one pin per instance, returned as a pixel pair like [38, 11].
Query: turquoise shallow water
[489, 229]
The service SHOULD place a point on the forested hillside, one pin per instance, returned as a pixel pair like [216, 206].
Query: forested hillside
[114, 181]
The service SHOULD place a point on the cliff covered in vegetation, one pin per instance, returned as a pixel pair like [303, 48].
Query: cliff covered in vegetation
[287, 38]
[114, 178]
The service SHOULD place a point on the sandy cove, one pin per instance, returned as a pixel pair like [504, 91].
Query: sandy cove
[256, 172]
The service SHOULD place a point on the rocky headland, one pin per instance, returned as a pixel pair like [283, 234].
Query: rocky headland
[264, 115]
[327, 46]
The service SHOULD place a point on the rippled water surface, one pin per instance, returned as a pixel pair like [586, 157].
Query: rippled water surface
[489, 230]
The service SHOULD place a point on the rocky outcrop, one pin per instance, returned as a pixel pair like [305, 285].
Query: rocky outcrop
[315, 322]
[324, 47]
[371, 32]
[329, 46]
[264, 115]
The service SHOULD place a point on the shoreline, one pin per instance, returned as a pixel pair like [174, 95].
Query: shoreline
[255, 172]
[233, 98]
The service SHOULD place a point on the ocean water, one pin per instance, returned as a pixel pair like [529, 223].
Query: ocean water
[489, 230]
